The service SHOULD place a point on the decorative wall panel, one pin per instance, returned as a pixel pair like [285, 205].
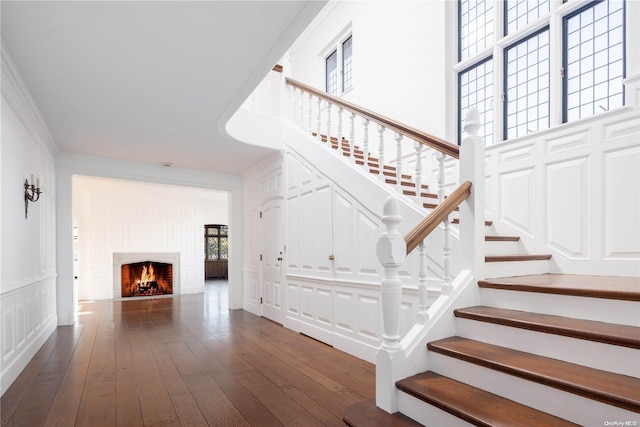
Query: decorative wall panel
[568, 207]
[622, 203]
[517, 191]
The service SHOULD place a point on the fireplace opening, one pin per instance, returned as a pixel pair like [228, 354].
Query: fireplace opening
[146, 278]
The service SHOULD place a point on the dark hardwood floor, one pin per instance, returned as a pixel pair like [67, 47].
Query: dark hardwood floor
[183, 361]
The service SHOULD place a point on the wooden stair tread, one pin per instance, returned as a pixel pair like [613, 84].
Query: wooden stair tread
[620, 288]
[609, 333]
[435, 205]
[457, 221]
[423, 194]
[491, 238]
[367, 414]
[607, 387]
[510, 258]
[474, 405]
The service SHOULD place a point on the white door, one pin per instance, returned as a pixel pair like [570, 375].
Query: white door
[271, 249]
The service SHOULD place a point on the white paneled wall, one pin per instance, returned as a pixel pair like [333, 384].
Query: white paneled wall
[28, 256]
[121, 216]
[331, 289]
[573, 191]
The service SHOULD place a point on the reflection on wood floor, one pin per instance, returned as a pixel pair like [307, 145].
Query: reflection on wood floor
[183, 360]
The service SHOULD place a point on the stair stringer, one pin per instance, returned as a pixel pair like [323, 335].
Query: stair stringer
[412, 358]
[372, 192]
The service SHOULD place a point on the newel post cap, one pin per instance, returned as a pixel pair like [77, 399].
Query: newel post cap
[391, 247]
[472, 122]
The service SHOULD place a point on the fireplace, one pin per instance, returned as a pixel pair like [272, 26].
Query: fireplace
[148, 278]
[146, 274]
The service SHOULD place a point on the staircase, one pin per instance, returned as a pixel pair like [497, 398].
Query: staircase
[539, 350]
[519, 360]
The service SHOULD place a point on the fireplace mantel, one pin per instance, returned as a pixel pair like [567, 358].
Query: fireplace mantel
[120, 258]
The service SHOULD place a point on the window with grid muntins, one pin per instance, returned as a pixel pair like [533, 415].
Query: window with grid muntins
[475, 87]
[476, 27]
[216, 245]
[584, 40]
[332, 73]
[527, 85]
[347, 50]
[520, 13]
[594, 63]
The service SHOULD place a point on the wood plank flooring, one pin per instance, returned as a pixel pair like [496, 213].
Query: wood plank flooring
[183, 361]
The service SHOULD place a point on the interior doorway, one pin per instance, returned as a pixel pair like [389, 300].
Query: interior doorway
[117, 216]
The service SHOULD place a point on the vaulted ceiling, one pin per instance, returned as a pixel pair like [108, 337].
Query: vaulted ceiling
[150, 81]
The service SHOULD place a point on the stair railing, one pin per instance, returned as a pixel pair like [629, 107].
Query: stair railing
[394, 151]
[395, 353]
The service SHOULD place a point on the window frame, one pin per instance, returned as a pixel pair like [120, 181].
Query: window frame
[554, 20]
[218, 235]
[336, 46]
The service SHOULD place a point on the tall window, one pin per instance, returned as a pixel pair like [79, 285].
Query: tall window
[332, 73]
[216, 242]
[515, 97]
[339, 67]
[594, 63]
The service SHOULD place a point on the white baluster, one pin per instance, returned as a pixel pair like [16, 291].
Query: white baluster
[352, 137]
[339, 130]
[301, 109]
[381, 130]
[423, 314]
[398, 139]
[309, 114]
[446, 288]
[418, 147]
[365, 143]
[440, 177]
[319, 119]
[391, 250]
[329, 105]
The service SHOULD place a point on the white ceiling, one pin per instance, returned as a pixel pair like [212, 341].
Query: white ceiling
[150, 81]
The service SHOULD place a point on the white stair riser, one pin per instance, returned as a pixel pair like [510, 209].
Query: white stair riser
[603, 310]
[501, 248]
[515, 268]
[569, 406]
[621, 360]
[427, 414]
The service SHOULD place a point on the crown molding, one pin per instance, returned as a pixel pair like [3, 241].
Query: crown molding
[16, 93]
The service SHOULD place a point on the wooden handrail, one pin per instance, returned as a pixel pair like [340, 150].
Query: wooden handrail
[427, 225]
[418, 136]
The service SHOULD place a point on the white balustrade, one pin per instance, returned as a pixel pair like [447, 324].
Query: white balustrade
[423, 314]
[329, 105]
[319, 119]
[418, 172]
[352, 137]
[398, 138]
[365, 142]
[381, 130]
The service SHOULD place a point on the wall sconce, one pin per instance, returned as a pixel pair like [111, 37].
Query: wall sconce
[31, 193]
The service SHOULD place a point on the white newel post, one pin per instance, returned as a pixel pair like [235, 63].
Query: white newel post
[472, 215]
[391, 251]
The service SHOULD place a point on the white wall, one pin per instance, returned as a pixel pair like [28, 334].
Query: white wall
[28, 257]
[123, 216]
[399, 57]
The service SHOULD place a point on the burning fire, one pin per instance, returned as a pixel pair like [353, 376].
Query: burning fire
[147, 276]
